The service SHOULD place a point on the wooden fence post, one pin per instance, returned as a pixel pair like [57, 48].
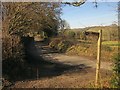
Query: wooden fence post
[98, 59]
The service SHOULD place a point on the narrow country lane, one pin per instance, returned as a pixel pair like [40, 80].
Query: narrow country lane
[47, 54]
[62, 71]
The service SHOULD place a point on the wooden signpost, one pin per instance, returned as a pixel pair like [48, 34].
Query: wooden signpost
[98, 59]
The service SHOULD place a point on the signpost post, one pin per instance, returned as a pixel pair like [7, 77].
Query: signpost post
[98, 59]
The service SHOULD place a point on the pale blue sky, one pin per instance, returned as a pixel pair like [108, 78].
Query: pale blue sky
[87, 15]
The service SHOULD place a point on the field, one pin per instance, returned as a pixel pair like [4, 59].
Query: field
[111, 43]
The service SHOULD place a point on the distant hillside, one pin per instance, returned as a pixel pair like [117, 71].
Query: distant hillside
[108, 32]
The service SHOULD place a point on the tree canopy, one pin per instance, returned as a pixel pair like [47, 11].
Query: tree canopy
[32, 17]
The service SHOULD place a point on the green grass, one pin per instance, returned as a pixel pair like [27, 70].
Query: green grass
[111, 43]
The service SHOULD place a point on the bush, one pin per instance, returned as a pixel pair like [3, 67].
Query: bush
[54, 42]
[60, 44]
[12, 47]
[63, 45]
[13, 69]
[116, 79]
[71, 34]
[15, 64]
[13, 52]
[79, 49]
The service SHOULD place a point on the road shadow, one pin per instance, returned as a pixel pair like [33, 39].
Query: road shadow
[42, 67]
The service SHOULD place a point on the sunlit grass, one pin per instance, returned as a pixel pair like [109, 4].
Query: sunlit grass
[111, 43]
